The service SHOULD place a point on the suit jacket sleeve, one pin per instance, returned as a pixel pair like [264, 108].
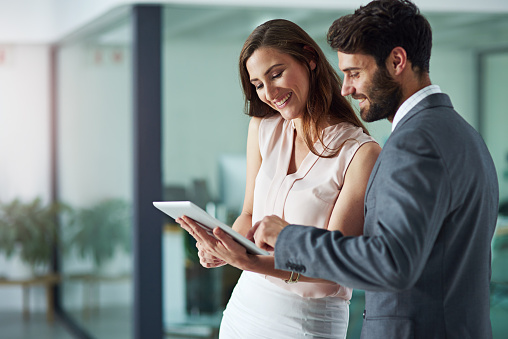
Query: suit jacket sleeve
[406, 203]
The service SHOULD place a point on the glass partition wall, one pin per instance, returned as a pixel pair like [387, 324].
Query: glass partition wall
[203, 138]
[494, 124]
[95, 156]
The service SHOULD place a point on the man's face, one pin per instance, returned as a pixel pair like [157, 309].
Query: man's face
[378, 94]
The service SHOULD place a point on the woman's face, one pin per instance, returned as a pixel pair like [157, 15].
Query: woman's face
[281, 82]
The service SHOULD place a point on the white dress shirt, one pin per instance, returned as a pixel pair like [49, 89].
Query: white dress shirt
[412, 101]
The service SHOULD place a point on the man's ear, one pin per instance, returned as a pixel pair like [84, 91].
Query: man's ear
[397, 61]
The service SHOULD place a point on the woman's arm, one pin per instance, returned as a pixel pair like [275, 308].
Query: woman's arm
[347, 215]
[244, 222]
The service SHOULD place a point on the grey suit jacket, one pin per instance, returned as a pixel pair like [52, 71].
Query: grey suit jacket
[430, 213]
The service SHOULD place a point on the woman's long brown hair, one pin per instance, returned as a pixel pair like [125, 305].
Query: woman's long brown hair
[325, 102]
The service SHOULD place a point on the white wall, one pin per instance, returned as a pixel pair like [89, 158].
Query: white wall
[27, 21]
[24, 121]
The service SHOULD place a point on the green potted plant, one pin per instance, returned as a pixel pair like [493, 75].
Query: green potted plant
[29, 230]
[101, 230]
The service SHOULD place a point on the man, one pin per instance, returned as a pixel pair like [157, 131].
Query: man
[432, 198]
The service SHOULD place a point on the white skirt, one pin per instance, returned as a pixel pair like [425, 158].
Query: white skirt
[260, 309]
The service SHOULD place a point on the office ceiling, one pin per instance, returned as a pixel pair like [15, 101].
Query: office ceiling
[454, 30]
[467, 31]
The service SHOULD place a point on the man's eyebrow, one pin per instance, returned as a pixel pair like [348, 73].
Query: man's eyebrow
[349, 69]
[267, 71]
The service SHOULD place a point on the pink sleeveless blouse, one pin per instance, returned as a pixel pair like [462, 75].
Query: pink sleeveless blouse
[306, 197]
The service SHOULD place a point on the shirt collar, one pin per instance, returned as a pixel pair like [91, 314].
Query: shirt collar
[412, 101]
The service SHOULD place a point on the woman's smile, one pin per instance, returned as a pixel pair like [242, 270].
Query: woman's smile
[281, 103]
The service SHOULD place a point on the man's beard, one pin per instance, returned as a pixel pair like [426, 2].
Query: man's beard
[385, 96]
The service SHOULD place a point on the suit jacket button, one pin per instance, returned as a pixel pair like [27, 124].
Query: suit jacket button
[363, 314]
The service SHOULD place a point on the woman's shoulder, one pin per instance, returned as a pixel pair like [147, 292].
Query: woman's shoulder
[254, 123]
[269, 123]
[270, 131]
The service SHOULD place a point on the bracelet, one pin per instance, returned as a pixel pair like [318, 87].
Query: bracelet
[290, 280]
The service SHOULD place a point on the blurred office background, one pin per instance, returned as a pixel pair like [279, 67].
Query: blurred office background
[106, 106]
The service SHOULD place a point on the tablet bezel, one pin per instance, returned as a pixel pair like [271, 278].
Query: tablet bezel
[177, 209]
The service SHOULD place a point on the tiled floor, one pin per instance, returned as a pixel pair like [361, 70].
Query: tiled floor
[111, 323]
[106, 322]
[115, 324]
[12, 326]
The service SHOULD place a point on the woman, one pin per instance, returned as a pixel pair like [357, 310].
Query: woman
[308, 161]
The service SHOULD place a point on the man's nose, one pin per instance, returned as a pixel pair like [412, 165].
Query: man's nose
[347, 88]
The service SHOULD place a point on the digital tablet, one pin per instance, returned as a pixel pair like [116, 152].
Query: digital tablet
[177, 209]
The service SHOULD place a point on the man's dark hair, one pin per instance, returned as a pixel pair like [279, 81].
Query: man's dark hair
[377, 28]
